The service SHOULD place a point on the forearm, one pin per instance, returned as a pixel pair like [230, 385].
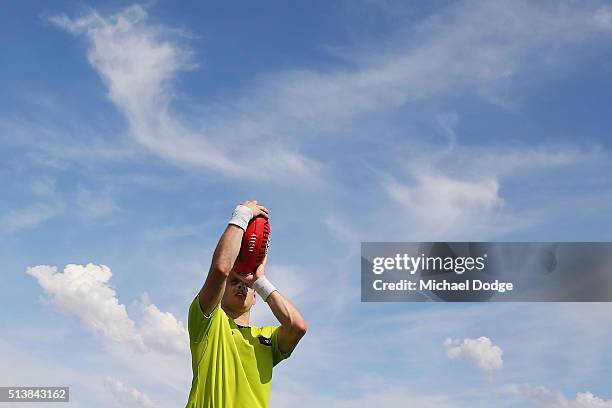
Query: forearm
[221, 265]
[227, 250]
[287, 314]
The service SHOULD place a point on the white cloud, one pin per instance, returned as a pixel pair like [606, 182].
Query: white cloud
[127, 396]
[467, 45]
[84, 291]
[161, 330]
[470, 44]
[138, 61]
[480, 352]
[462, 193]
[542, 397]
[456, 191]
[443, 205]
[525, 161]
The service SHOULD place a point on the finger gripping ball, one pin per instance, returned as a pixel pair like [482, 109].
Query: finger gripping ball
[254, 246]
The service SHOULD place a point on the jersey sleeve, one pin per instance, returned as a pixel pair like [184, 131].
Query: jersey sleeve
[277, 355]
[199, 323]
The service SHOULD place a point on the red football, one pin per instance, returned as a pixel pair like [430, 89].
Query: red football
[254, 246]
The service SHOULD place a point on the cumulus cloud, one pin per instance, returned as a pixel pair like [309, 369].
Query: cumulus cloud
[542, 397]
[85, 292]
[161, 330]
[127, 396]
[480, 352]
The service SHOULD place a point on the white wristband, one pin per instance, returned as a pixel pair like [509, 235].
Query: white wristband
[263, 287]
[241, 216]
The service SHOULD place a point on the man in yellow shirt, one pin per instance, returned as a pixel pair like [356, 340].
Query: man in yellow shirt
[231, 360]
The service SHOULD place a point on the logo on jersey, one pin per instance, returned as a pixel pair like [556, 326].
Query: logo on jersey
[265, 341]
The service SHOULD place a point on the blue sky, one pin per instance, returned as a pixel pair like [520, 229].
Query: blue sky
[129, 131]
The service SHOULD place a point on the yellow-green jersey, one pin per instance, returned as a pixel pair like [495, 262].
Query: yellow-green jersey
[232, 365]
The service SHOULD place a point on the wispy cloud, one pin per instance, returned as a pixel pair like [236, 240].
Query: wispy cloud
[26, 218]
[138, 61]
[471, 44]
[446, 204]
[41, 204]
[459, 193]
[58, 147]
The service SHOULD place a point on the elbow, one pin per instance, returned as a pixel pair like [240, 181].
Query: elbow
[300, 327]
[221, 268]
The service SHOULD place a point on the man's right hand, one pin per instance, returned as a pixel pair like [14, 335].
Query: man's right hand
[256, 208]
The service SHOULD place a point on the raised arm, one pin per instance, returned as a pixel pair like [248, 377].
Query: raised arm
[225, 254]
[293, 325]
